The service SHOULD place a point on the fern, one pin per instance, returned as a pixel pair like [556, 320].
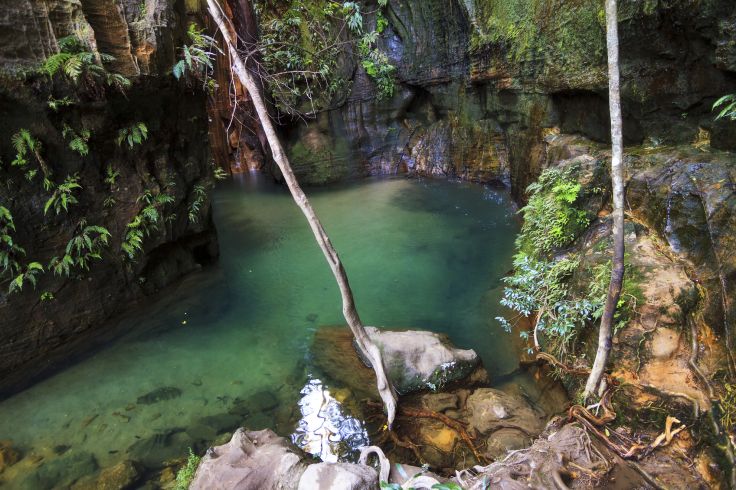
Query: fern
[78, 64]
[728, 104]
[63, 195]
[133, 135]
[27, 275]
[56, 104]
[145, 222]
[200, 194]
[77, 141]
[198, 56]
[10, 252]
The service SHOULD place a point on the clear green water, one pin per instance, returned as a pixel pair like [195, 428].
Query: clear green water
[423, 254]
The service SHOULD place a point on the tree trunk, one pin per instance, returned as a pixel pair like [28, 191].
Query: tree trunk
[364, 343]
[617, 177]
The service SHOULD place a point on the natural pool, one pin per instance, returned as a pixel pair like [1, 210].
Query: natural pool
[230, 345]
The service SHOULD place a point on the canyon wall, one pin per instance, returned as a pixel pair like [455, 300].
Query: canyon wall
[65, 309]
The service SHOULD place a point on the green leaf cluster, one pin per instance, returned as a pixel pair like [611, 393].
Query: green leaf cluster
[132, 135]
[143, 223]
[77, 141]
[63, 195]
[86, 245]
[200, 194]
[77, 64]
[196, 57]
[727, 106]
[185, 475]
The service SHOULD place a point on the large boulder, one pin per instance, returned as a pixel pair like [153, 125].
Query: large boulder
[338, 476]
[261, 460]
[418, 360]
[258, 460]
[507, 422]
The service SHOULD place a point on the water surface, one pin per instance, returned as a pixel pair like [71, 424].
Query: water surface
[230, 345]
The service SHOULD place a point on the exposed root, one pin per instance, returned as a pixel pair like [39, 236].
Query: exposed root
[406, 445]
[453, 424]
[568, 452]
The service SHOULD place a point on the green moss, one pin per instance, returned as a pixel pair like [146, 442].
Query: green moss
[570, 34]
[185, 475]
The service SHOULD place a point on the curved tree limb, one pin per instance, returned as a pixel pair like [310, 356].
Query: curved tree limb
[364, 343]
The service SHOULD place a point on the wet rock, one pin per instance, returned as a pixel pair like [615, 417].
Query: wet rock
[60, 472]
[338, 476]
[439, 402]
[263, 401]
[8, 455]
[159, 395]
[119, 477]
[417, 359]
[506, 422]
[155, 450]
[488, 407]
[251, 460]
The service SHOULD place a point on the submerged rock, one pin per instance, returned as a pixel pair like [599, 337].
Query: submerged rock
[8, 455]
[60, 472]
[119, 477]
[159, 395]
[417, 359]
[155, 450]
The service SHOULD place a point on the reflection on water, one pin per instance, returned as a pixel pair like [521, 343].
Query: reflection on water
[230, 346]
[325, 429]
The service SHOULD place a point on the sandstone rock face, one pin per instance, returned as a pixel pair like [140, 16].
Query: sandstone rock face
[473, 102]
[417, 359]
[172, 161]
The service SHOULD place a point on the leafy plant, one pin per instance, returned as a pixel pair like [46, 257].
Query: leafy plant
[728, 407]
[27, 274]
[111, 175]
[27, 146]
[86, 245]
[727, 106]
[56, 104]
[63, 195]
[185, 475]
[135, 134]
[144, 222]
[79, 65]
[220, 174]
[77, 141]
[200, 194]
[10, 252]
[196, 57]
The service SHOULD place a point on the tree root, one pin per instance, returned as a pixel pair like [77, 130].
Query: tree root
[453, 424]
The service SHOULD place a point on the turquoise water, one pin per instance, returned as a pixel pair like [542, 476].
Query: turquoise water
[230, 345]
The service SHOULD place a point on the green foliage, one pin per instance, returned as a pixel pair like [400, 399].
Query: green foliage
[185, 475]
[24, 143]
[569, 34]
[551, 218]
[145, 222]
[63, 195]
[196, 57]
[132, 135]
[727, 106]
[77, 141]
[220, 174]
[111, 176]
[84, 247]
[78, 65]
[539, 285]
[26, 147]
[200, 194]
[302, 44]
[10, 252]
[26, 275]
[56, 104]
[728, 408]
